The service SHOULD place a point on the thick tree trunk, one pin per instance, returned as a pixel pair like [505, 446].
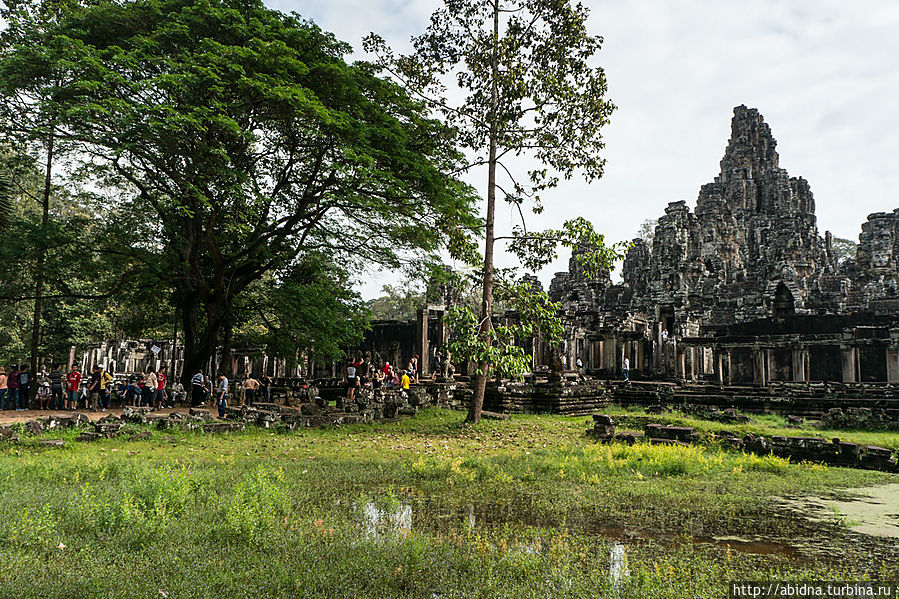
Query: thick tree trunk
[480, 383]
[225, 362]
[41, 261]
[200, 345]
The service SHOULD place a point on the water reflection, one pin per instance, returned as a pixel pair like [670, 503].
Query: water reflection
[617, 564]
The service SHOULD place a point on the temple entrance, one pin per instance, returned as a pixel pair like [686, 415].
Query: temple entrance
[825, 363]
[872, 363]
[784, 303]
[781, 365]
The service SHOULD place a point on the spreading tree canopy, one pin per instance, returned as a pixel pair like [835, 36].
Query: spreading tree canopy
[232, 140]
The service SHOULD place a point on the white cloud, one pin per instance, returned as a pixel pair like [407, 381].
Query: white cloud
[825, 75]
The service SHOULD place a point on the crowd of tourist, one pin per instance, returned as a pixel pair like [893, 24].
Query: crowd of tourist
[359, 373]
[98, 390]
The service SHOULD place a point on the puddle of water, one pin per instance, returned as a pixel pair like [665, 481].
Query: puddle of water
[868, 510]
[382, 521]
[758, 547]
[617, 564]
[402, 518]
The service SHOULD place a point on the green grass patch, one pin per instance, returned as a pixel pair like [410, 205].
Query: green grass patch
[425, 507]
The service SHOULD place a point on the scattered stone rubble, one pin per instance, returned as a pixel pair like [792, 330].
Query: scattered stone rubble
[808, 449]
[368, 406]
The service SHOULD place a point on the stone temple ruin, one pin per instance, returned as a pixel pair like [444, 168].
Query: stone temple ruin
[743, 289]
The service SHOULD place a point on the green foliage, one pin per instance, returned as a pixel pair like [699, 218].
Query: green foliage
[6, 199]
[258, 502]
[308, 306]
[505, 349]
[397, 303]
[536, 250]
[529, 87]
[844, 249]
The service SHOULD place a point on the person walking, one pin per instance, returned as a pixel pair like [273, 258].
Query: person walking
[56, 384]
[250, 386]
[4, 389]
[197, 390]
[221, 395]
[73, 382]
[626, 370]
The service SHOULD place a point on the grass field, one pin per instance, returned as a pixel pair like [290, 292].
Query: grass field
[425, 508]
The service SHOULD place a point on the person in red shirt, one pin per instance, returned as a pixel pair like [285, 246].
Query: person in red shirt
[12, 382]
[73, 382]
[160, 389]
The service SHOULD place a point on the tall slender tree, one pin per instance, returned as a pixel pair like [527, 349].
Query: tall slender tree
[529, 88]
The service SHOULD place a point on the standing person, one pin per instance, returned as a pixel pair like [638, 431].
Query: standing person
[4, 389]
[56, 383]
[351, 380]
[105, 388]
[160, 387]
[221, 395]
[24, 386]
[362, 372]
[580, 370]
[436, 363]
[626, 370]
[93, 389]
[197, 390]
[265, 388]
[12, 383]
[250, 386]
[73, 381]
[151, 387]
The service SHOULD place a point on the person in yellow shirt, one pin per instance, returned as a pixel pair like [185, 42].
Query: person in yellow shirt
[405, 381]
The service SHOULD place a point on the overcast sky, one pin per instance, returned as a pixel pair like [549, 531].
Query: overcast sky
[824, 73]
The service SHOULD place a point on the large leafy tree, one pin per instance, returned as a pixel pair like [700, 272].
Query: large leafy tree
[307, 310]
[233, 140]
[529, 88]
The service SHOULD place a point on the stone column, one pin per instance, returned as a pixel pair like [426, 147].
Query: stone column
[848, 363]
[730, 368]
[758, 367]
[892, 365]
[799, 362]
[421, 341]
[719, 366]
[680, 364]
